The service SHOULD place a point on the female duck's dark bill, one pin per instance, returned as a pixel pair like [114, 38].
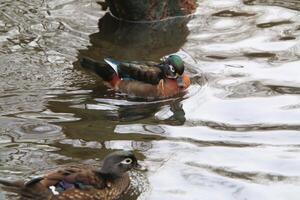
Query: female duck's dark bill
[138, 166]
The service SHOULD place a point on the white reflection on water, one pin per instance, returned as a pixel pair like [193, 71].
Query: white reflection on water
[221, 173]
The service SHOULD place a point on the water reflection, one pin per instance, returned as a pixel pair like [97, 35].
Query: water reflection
[136, 41]
[172, 113]
[291, 4]
[18, 130]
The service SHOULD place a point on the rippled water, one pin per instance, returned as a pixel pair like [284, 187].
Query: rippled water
[233, 135]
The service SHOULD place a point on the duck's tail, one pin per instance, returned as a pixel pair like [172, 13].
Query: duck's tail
[17, 184]
[12, 186]
[27, 191]
[106, 70]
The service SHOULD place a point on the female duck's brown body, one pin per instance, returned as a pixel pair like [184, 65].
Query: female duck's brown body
[94, 187]
[80, 182]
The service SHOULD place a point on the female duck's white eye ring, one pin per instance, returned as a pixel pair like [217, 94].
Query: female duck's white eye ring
[127, 161]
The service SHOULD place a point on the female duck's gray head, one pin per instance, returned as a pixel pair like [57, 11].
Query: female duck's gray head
[118, 163]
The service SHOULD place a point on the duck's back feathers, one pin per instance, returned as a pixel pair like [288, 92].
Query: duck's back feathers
[151, 74]
[147, 72]
[73, 175]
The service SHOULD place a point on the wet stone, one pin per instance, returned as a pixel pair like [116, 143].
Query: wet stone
[149, 10]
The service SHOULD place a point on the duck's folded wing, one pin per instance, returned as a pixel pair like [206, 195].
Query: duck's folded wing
[45, 187]
[72, 175]
[140, 72]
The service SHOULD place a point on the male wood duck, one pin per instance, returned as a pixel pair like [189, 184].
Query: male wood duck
[146, 80]
[80, 182]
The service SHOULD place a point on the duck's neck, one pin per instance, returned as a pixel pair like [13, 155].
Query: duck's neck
[162, 66]
[108, 176]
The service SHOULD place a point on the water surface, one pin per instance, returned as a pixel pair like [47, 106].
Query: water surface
[233, 135]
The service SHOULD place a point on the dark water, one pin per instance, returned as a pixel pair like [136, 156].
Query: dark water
[235, 134]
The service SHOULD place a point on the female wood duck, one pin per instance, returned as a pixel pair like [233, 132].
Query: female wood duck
[146, 80]
[81, 182]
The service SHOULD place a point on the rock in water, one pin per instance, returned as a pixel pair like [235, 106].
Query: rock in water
[149, 10]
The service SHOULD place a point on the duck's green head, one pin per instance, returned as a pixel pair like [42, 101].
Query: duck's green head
[175, 66]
